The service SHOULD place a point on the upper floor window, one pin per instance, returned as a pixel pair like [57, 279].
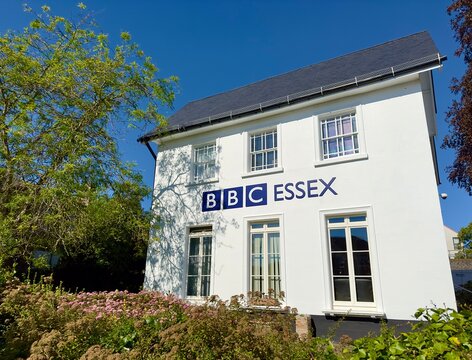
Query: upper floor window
[263, 150]
[204, 162]
[339, 136]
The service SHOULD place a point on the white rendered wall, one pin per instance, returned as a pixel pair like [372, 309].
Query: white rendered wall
[395, 185]
[450, 235]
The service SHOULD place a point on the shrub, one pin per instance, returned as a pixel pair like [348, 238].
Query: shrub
[45, 323]
[441, 334]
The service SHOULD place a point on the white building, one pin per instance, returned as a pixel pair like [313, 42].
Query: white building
[321, 183]
[452, 242]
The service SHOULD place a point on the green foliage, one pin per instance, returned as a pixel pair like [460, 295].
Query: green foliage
[459, 114]
[65, 93]
[465, 240]
[441, 334]
[41, 322]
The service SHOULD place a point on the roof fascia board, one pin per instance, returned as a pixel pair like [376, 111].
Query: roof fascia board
[330, 97]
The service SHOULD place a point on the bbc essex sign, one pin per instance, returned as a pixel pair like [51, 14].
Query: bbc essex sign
[258, 195]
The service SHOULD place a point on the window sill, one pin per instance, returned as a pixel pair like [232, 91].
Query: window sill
[341, 159]
[204, 182]
[355, 313]
[263, 172]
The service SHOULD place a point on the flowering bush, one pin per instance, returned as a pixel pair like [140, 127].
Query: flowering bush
[39, 322]
[121, 303]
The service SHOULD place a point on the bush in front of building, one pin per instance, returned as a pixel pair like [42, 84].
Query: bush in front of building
[39, 321]
[442, 334]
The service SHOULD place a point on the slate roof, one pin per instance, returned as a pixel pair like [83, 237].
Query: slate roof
[400, 56]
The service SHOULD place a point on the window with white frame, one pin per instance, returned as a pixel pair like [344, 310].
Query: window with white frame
[263, 150]
[351, 272]
[204, 162]
[199, 261]
[265, 262]
[339, 136]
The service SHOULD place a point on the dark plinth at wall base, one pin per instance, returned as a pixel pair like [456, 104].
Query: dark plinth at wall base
[354, 327]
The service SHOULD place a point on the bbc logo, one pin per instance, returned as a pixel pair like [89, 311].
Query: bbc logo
[237, 197]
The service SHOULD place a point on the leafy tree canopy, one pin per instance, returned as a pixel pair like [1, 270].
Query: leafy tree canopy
[460, 112]
[65, 93]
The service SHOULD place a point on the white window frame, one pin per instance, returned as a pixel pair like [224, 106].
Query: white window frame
[200, 234]
[247, 250]
[248, 171]
[360, 133]
[193, 180]
[353, 307]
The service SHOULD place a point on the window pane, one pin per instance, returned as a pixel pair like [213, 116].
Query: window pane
[357, 218]
[257, 243]
[364, 289]
[193, 265]
[354, 124]
[273, 224]
[359, 239]
[273, 239]
[331, 129]
[361, 263]
[342, 291]
[271, 159]
[192, 284]
[259, 160]
[207, 245]
[274, 285]
[205, 286]
[325, 148]
[340, 266]
[257, 143]
[338, 239]
[333, 147]
[257, 262]
[269, 141]
[194, 246]
[346, 125]
[323, 130]
[198, 171]
[336, 220]
[257, 284]
[257, 226]
[206, 265]
[274, 265]
[348, 144]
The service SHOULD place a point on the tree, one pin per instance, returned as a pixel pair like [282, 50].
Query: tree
[65, 93]
[459, 114]
[465, 241]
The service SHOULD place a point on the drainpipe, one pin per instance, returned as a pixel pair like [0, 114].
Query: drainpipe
[153, 154]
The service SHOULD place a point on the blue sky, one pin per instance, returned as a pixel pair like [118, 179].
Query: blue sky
[214, 46]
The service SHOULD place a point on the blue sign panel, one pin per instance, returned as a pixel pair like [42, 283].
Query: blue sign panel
[233, 198]
[256, 195]
[211, 200]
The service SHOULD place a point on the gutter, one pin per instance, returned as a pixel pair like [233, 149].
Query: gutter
[302, 96]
